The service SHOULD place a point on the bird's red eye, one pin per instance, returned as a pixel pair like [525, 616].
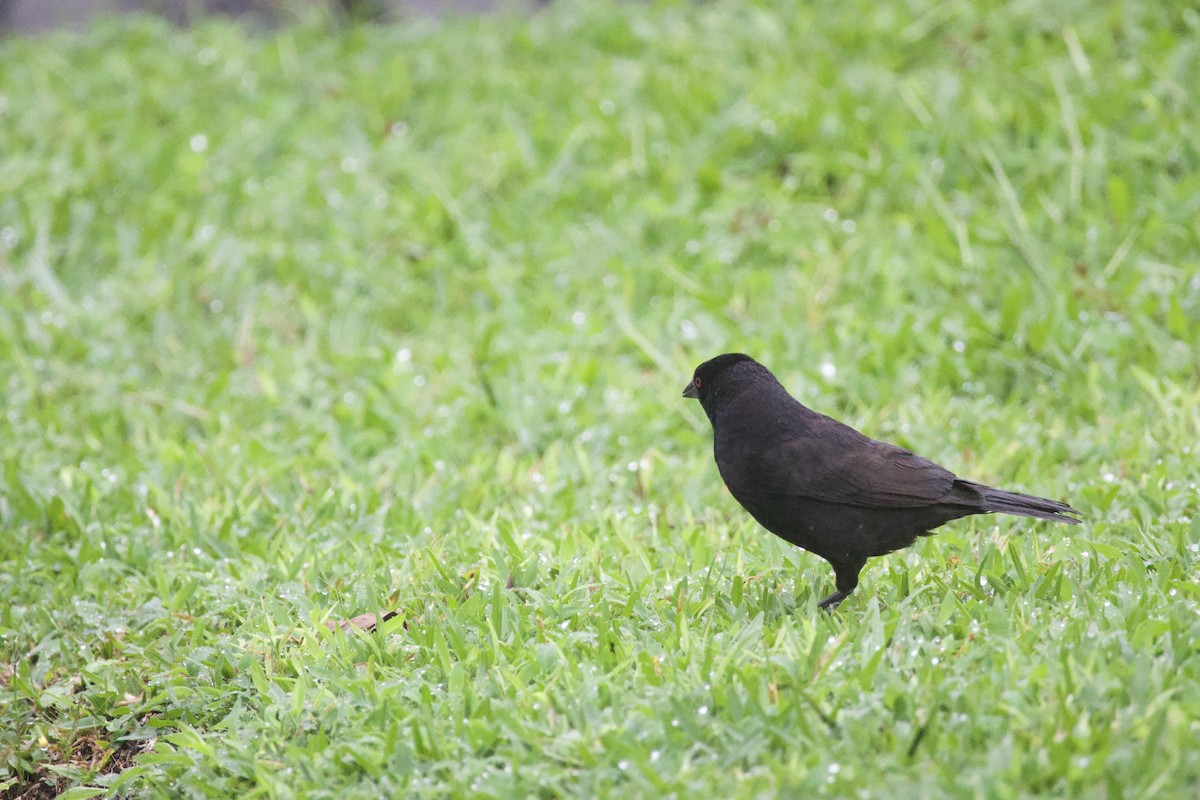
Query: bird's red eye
[696, 382]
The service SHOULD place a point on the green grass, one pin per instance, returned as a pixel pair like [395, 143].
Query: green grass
[302, 324]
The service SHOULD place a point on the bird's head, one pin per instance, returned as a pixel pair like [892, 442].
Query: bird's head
[724, 377]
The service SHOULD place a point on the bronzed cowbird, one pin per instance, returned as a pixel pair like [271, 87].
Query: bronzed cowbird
[822, 485]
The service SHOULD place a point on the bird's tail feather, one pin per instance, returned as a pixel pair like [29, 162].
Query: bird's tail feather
[1024, 505]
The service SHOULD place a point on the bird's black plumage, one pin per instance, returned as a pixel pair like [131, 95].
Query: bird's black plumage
[824, 486]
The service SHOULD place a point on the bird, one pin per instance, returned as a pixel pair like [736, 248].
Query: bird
[825, 487]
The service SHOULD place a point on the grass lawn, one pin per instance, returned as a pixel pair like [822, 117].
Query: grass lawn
[303, 324]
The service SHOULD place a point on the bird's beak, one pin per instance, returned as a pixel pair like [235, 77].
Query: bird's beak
[690, 391]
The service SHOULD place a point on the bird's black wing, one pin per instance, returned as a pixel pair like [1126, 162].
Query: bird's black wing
[854, 470]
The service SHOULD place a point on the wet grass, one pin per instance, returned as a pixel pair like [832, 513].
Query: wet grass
[304, 324]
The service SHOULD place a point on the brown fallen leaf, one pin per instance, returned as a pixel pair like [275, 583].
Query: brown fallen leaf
[366, 622]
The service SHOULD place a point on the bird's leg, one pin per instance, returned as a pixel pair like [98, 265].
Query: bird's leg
[833, 600]
[847, 580]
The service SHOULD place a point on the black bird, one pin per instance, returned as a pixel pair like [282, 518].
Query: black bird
[822, 485]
